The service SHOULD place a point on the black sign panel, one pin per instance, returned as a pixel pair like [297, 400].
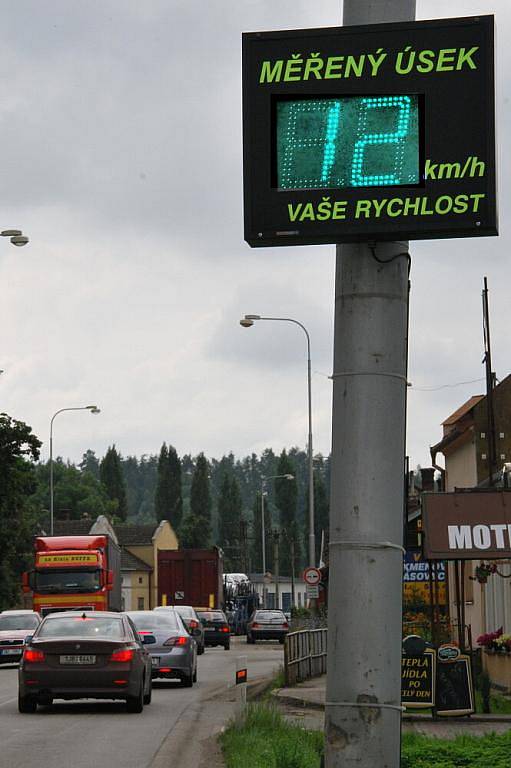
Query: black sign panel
[418, 679]
[454, 689]
[364, 133]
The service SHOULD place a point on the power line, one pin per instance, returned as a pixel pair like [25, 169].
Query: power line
[444, 386]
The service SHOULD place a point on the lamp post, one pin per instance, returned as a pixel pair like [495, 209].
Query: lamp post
[263, 532]
[247, 322]
[92, 409]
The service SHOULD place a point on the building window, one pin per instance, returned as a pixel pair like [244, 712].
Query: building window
[140, 579]
[140, 604]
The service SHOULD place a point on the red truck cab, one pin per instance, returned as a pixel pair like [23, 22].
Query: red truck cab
[75, 572]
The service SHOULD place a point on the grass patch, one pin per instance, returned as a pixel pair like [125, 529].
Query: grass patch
[462, 752]
[266, 740]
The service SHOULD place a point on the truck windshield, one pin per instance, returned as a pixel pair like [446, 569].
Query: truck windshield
[56, 580]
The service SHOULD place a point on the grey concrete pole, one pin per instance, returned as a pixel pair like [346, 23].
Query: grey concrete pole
[276, 537]
[263, 542]
[363, 716]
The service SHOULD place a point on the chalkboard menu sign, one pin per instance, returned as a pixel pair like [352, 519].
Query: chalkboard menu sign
[454, 688]
[418, 679]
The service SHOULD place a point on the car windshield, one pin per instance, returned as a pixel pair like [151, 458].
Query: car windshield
[106, 627]
[56, 580]
[155, 620]
[269, 615]
[211, 616]
[185, 612]
[21, 621]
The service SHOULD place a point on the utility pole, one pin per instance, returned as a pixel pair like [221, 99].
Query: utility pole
[275, 537]
[292, 546]
[490, 384]
[363, 699]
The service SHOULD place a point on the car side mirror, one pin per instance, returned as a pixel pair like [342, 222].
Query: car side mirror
[148, 639]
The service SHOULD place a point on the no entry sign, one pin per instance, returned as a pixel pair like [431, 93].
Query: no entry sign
[366, 133]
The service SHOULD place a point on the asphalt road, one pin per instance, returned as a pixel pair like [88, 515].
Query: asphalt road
[101, 734]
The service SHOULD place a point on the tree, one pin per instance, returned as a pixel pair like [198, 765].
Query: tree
[192, 533]
[140, 476]
[176, 491]
[162, 494]
[112, 479]
[230, 522]
[76, 493]
[196, 525]
[90, 463]
[18, 448]
[200, 496]
[286, 501]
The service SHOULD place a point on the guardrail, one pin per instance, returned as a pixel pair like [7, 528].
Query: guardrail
[304, 655]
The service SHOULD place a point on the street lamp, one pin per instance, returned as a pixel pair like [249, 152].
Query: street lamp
[16, 235]
[263, 532]
[92, 409]
[247, 322]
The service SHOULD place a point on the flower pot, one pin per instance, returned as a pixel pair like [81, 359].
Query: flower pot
[498, 666]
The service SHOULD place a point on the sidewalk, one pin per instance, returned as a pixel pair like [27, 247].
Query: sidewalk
[305, 704]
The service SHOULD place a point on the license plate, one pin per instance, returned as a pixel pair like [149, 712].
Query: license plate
[11, 651]
[78, 659]
[155, 661]
[209, 629]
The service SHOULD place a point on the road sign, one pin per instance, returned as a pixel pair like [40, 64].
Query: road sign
[312, 576]
[312, 592]
[376, 132]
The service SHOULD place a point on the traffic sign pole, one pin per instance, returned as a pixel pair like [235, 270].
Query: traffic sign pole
[363, 700]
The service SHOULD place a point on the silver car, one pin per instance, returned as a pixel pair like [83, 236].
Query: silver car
[191, 622]
[174, 652]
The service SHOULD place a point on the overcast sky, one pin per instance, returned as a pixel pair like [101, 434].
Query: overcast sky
[121, 159]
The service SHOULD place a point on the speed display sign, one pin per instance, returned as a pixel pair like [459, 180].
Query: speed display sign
[373, 132]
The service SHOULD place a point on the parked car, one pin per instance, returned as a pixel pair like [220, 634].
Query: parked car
[216, 628]
[15, 626]
[267, 625]
[174, 650]
[191, 622]
[85, 655]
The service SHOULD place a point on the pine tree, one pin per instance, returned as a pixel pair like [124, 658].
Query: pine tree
[196, 526]
[225, 532]
[162, 494]
[200, 496]
[286, 501]
[176, 491]
[110, 473]
[230, 523]
[193, 533]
